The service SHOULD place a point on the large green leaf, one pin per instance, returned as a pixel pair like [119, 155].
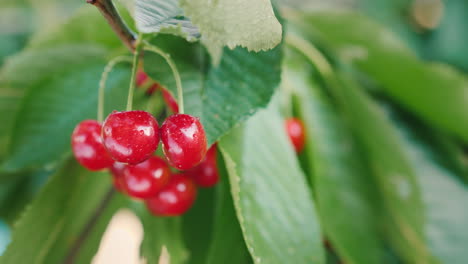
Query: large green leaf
[227, 243]
[435, 93]
[444, 194]
[342, 185]
[38, 65]
[54, 106]
[159, 16]
[404, 218]
[247, 23]
[273, 203]
[52, 223]
[223, 95]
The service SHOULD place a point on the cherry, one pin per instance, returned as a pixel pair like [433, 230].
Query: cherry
[117, 175]
[175, 198]
[206, 173]
[153, 88]
[141, 78]
[296, 133]
[131, 136]
[184, 141]
[170, 101]
[87, 146]
[146, 179]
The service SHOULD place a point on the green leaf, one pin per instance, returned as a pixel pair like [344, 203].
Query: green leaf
[346, 205]
[198, 225]
[38, 65]
[54, 106]
[247, 23]
[223, 95]
[227, 243]
[404, 219]
[444, 195]
[58, 216]
[159, 16]
[436, 93]
[162, 232]
[86, 26]
[271, 197]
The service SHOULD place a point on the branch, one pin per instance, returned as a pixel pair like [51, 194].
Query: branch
[112, 16]
[75, 248]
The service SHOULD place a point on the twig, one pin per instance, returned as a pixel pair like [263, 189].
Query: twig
[75, 249]
[110, 13]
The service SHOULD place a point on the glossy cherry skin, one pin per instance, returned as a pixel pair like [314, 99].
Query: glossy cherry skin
[88, 148]
[170, 101]
[296, 133]
[206, 173]
[130, 137]
[141, 78]
[146, 179]
[175, 199]
[117, 175]
[184, 141]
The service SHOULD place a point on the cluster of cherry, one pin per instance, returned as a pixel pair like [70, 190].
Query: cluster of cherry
[125, 144]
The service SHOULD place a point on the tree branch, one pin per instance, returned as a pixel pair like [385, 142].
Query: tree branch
[110, 13]
[70, 258]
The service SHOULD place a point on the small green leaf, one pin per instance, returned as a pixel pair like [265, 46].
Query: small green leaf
[273, 203]
[346, 204]
[160, 16]
[247, 23]
[162, 232]
[223, 95]
[51, 224]
[54, 106]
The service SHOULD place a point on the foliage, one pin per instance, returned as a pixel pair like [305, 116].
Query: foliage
[383, 176]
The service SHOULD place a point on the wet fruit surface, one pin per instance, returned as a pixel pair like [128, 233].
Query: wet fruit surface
[206, 173]
[131, 136]
[296, 132]
[184, 141]
[175, 199]
[88, 147]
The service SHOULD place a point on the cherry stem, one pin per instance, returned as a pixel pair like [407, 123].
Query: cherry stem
[102, 83]
[175, 72]
[136, 57]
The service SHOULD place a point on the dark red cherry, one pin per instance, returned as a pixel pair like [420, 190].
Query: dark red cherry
[117, 175]
[153, 88]
[175, 198]
[184, 141]
[296, 133]
[131, 136]
[87, 146]
[146, 179]
[206, 173]
[141, 78]
[170, 101]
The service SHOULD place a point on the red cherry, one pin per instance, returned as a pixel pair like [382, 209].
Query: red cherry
[146, 179]
[141, 78]
[206, 173]
[117, 175]
[153, 88]
[87, 146]
[170, 101]
[184, 141]
[296, 133]
[131, 136]
[175, 198]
